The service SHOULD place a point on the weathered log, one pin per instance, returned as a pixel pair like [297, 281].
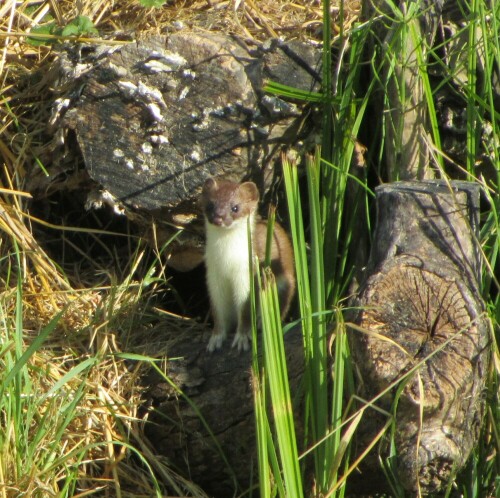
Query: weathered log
[217, 451]
[424, 324]
[154, 119]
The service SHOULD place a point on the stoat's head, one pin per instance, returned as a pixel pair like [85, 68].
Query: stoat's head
[224, 202]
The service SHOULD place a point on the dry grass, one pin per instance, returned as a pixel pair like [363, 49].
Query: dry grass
[101, 307]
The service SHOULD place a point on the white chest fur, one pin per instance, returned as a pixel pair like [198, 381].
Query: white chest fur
[228, 277]
[227, 259]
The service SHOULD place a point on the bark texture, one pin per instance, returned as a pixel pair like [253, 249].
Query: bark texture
[155, 118]
[425, 327]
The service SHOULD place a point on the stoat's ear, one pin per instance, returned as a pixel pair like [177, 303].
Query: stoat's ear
[209, 184]
[250, 191]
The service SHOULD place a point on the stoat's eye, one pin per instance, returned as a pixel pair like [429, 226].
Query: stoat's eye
[235, 208]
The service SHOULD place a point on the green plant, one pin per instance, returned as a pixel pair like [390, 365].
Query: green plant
[51, 32]
[152, 3]
[36, 424]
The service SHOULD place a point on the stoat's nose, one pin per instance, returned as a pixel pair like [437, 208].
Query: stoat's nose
[218, 216]
[217, 220]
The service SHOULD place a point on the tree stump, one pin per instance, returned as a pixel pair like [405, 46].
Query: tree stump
[424, 324]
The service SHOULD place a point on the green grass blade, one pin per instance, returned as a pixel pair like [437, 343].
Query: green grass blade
[32, 348]
[317, 365]
[341, 355]
[421, 53]
[276, 369]
[472, 122]
[327, 84]
[72, 374]
[290, 174]
[263, 439]
[289, 92]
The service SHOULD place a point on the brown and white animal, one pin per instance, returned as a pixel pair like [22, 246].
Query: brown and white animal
[228, 207]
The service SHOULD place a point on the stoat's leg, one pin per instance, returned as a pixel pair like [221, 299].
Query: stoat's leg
[242, 340]
[216, 340]
[244, 331]
[222, 323]
[222, 310]
[224, 319]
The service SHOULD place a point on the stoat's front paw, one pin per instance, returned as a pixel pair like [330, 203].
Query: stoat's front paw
[241, 342]
[215, 342]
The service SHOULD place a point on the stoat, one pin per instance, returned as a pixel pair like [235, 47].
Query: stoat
[228, 207]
